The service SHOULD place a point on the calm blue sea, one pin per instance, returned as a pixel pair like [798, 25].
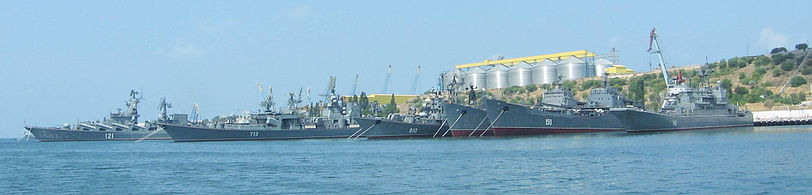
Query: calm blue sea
[771, 160]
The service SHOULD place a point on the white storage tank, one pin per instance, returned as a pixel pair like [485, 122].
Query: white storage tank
[571, 68]
[520, 75]
[601, 65]
[544, 72]
[475, 77]
[497, 77]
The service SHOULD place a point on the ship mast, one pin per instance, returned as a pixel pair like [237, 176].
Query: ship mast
[132, 106]
[162, 107]
[268, 103]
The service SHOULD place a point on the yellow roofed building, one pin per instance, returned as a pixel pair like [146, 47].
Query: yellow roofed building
[619, 69]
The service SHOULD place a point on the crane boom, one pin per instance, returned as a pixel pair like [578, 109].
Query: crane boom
[386, 82]
[653, 40]
[354, 85]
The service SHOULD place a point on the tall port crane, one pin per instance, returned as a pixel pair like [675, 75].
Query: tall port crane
[386, 82]
[355, 85]
[195, 113]
[653, 41]
[416, 82]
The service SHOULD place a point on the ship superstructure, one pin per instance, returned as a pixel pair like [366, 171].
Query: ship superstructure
[558, 112]
[336, 121]
[121, 125]
[428, 121]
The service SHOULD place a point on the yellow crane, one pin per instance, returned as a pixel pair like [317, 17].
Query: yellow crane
[530, 59]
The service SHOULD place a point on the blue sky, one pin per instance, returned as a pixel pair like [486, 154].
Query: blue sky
[63, 60]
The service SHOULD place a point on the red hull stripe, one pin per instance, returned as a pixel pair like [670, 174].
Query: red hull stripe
[505, 131]
[466, 132]
[691, 128]
[399, 136]
[257, 139]
[116, 139]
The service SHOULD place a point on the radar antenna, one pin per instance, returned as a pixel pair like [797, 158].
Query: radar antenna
[132, 106]
[293, 101]
[268, 103]
[163, 106]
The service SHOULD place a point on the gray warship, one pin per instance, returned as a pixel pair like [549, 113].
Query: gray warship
[336, 121]
[121, 125]
[467, 120]
[558, 112]
[426, 122]
[685, 107]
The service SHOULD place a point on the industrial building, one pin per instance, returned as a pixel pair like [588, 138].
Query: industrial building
[619, 69]
[540, 69]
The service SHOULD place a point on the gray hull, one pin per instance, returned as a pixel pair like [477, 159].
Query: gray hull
[56, 134]
[380, 128]
[514, 120]
[642, 121]
[467, 121]
[182, 133]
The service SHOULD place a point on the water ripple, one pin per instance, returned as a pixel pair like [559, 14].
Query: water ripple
[738, 161]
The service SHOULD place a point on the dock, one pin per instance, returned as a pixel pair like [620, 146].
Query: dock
[782, 117]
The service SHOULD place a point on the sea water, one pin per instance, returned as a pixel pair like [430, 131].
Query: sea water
[754, 160]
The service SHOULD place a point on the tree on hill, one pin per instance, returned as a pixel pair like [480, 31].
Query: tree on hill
[778, 50]
[513, 90]
[801, 46]
[737, 63]
[807, 68]
[777, 72]
[727, 83]
[531, 87]
[761, 60]
[740, 90]
[779, 58]
[617, 82]
[569, 84]
[759, 73]
[787, 65]
[546, 86]
[637, 89]
[797, 81]
[589, 84]
[391, 108]
[363, 101]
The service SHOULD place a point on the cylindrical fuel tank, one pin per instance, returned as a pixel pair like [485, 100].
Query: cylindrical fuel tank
[520, 75]
[601, 65]
[544, 72]
[571, 68]
[497, 77]
[475, 77]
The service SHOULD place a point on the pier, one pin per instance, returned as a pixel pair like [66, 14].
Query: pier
[782, 117]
